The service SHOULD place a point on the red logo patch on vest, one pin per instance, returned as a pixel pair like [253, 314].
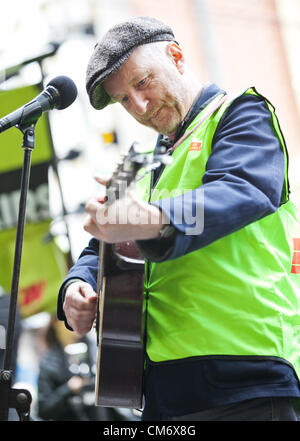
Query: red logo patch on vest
[296, 257]
[195, 146]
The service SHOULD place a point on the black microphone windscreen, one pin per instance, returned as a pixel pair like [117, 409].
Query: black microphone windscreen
[67, 90]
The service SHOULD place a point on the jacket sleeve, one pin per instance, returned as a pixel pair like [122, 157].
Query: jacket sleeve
[243, 182]
[84, 269]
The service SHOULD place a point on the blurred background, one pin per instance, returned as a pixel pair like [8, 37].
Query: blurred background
[234, 43]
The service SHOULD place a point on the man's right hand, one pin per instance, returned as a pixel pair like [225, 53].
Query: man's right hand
[80, 307]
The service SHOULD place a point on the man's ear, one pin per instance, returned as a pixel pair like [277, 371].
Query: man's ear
[175, 52]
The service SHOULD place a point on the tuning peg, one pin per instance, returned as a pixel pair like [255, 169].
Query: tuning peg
[165, 142]
[161, 150]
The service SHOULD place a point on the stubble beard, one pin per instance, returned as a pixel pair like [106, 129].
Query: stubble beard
[168, 123]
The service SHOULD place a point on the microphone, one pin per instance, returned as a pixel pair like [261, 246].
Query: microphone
[59, 93]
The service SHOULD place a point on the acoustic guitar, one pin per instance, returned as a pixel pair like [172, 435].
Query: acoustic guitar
[120, 286]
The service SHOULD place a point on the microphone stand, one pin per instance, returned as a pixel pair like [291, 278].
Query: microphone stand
[19, 399]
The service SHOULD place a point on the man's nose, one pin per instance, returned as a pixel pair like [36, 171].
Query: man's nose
[139, 103]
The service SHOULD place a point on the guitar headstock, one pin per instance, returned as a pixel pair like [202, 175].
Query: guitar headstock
[129, 165]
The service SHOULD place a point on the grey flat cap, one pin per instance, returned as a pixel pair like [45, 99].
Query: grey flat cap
[115, 48]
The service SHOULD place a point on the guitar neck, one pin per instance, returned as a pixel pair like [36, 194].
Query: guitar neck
[100, 287]
[120, 288]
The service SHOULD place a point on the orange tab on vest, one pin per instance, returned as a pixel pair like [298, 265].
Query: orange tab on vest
[195, 146]
[296, 257]
[296, 243]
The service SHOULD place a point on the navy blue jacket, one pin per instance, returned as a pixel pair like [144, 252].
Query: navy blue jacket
[243, 182]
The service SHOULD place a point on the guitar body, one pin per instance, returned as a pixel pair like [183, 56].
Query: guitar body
[120, 326]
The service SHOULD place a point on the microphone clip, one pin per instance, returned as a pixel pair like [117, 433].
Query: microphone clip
[28, 130]
[30, 116]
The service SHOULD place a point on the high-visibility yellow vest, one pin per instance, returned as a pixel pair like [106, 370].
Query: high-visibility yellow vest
[238, 296]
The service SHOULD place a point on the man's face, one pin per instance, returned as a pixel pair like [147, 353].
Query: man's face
[151, 89]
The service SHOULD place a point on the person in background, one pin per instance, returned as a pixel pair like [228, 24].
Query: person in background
[66, 378]
[4, 316]
[222, 286]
